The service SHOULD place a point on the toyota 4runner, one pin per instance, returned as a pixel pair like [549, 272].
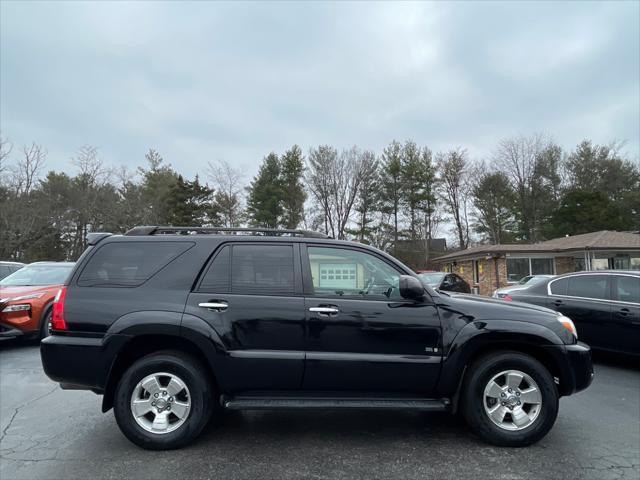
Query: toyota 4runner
[175, 324]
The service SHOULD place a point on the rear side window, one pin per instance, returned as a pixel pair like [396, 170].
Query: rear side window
[559, 287]
[588, 286]
[627, 289]
[251, 270]
[129, 264]
[217, 277]
[262, 269]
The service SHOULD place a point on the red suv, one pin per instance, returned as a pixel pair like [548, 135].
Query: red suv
[26, 298]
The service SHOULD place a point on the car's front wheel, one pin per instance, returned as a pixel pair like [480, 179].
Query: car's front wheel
[163, 401]
[509, 399]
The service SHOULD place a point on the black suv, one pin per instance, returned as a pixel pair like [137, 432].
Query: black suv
[174, 325]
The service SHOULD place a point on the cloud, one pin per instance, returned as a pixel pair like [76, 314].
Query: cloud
[206, 80]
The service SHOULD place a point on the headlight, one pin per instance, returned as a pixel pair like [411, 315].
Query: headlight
[568, 324]
[17, 308]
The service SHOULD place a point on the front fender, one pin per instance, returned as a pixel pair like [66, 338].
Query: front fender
[482, 335]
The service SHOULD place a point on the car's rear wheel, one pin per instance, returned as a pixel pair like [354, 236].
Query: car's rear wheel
[163, 401]
[509, 399]
[44, 327]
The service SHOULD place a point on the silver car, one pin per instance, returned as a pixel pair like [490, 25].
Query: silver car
[525, 282]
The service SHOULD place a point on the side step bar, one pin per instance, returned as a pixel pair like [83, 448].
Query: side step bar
[287, 403]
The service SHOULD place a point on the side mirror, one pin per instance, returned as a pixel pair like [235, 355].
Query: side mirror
[411, 287]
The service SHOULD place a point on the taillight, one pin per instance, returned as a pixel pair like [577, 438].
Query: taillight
[507, 297]
[57, 315]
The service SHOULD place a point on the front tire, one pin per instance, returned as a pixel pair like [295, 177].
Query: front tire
[163, 401]
[509, 399]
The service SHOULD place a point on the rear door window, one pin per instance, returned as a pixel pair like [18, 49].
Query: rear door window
[588, 286]
[129, 264]
[217, 277]
[627, 289]
[262, 270]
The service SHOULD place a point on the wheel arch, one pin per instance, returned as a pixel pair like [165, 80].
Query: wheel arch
[141, 345]
[473, 343]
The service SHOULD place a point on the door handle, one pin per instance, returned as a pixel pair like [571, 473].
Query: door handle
[214, 305]
[324, 310]
[623, 312]
[557, 303]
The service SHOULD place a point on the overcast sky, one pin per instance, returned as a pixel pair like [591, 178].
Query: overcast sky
[206, 80]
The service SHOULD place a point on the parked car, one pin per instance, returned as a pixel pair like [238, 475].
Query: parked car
[449, 282]
[604, 305]
[26, 298]
[7, 268]
[525, 282]
[167, 322]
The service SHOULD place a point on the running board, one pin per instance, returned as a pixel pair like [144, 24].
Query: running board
[288, 403]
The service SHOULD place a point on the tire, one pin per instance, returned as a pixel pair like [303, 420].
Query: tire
[166, 373]
[44, 327]
[486, 390]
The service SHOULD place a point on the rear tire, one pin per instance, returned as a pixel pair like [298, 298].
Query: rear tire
[44, 328]
[175, 394]
[509, 399]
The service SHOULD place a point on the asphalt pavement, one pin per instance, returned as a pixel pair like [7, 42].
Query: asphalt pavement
[48, 433]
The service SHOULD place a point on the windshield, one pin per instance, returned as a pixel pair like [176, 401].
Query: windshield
[431, 278]
[536, 280]
[36, 275]
[524, 280]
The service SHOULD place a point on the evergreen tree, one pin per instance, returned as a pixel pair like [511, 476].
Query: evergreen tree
[494, 202]
[293, 193]
[391, 185]
[264, 202]
[158, 180]
[188, 203]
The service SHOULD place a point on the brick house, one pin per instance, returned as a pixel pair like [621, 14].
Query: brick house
[487, 267]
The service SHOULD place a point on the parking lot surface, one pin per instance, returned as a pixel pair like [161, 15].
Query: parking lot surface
[49, 433]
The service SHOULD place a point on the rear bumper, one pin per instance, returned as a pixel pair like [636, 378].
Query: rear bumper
[82, 362]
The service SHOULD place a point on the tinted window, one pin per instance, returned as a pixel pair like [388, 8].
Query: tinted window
[337, 271]
[129, 264]
[262, 269]
[588, 286]
[217, 277]
[627, 289]
[559, 287]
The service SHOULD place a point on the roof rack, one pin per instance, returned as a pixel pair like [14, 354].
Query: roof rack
[264, 232]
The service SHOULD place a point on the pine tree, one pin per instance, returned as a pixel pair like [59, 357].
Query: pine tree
[264, 202]
[294, 195]
[391, 185]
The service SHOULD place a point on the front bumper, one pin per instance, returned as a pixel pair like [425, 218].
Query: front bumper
[7, 331]
[580, 366]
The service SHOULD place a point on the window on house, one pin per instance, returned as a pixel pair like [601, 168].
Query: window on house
[517, 268]
[542, 266]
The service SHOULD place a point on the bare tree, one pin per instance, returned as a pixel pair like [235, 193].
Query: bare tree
[27, 170]
[532, 165]
[455, 187]
[5, 151]
[334, 181]
[228, 197]
[319, 179]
